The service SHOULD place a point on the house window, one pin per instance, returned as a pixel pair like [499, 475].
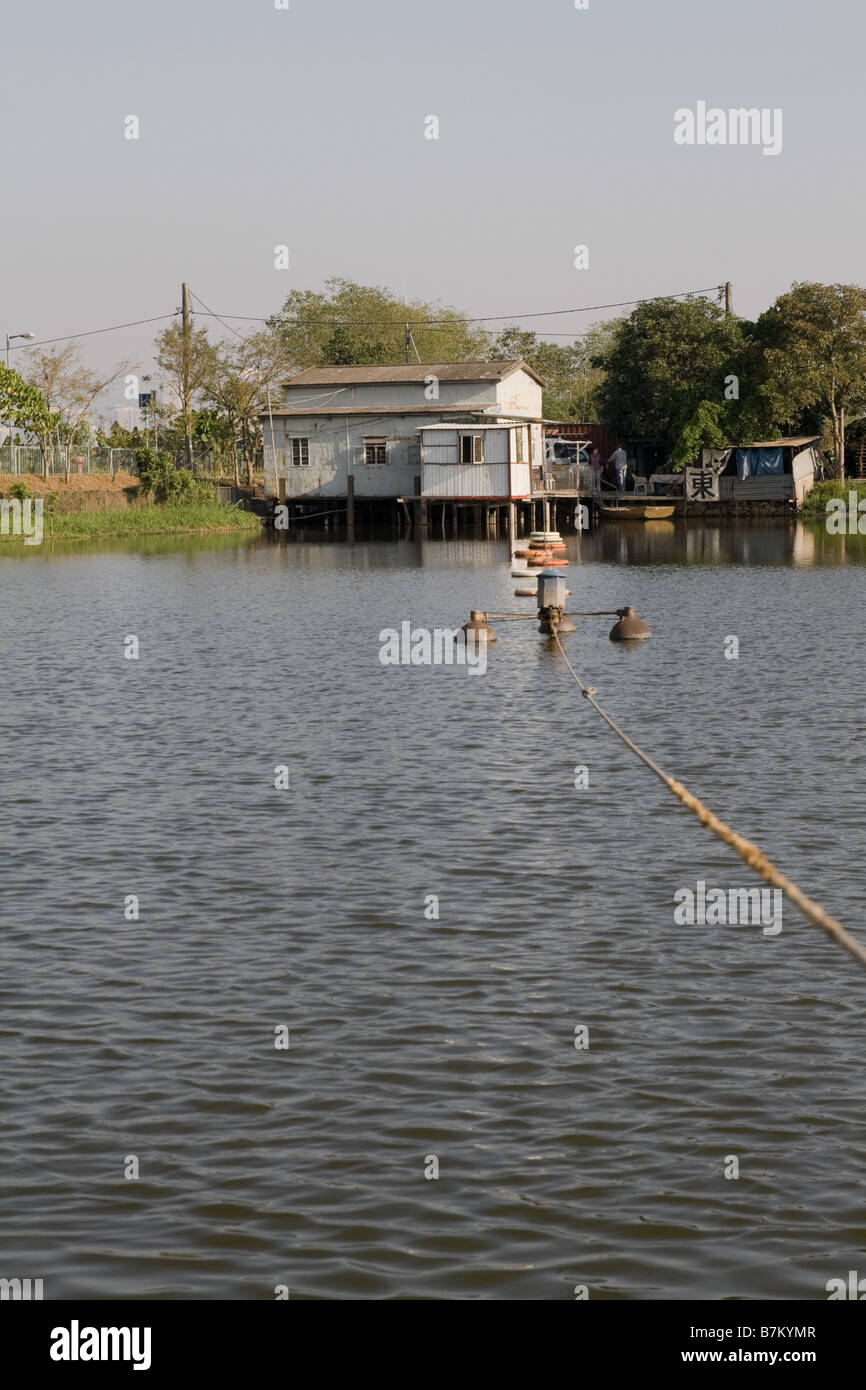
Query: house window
[375, 451]
[520, 454]
[300, 453]
[471, 448]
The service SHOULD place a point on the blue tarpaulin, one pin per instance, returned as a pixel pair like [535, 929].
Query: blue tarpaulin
[755, 463]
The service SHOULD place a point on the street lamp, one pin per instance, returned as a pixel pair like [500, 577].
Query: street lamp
[10, 337]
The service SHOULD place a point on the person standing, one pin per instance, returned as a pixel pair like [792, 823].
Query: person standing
[620, 466]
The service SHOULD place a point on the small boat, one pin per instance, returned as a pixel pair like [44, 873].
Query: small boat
[644, 511]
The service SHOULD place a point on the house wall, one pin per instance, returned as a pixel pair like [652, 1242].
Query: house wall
[767, 488]
[500, 475]
[402, 395]
[517, 394]
[466, 480]
[803, 472]
[331, 457]
[327, 472]
[536, 445]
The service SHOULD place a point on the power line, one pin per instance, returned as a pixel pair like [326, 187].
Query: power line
[482, 318]
[44, 342]
[382, 323]
[216, 316]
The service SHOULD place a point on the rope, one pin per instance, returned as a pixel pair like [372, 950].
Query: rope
[310, 515]
[748, 852]
[572, 613]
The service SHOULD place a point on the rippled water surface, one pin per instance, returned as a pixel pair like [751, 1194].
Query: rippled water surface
[412, 1037]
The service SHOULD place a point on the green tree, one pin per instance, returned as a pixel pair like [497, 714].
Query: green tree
[362, 325]
[703, 429]
[23, 407]
[814, 350]
[665, 359]
[571, 371]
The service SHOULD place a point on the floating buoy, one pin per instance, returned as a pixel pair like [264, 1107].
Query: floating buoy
[551, 605]
[472, 630]
[630, 628]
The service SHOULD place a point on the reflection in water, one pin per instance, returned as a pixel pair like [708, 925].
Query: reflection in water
[661, 542]
[654, 543]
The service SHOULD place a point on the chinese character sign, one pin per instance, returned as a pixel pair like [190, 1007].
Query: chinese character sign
[702, 485]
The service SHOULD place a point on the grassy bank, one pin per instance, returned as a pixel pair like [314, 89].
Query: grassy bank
[815, 503]
[166, 519]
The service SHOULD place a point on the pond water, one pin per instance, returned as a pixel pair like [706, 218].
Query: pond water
[420, 1041]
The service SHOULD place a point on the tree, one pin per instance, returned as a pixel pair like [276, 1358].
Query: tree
[666, 358]
[245, 372]
[68, 390]
[814, 349]
[570, 371]
[23, 406]
[703, 429]
[362, 325]
[188, 360]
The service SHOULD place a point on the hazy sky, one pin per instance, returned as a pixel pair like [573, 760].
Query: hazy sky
[306, 127]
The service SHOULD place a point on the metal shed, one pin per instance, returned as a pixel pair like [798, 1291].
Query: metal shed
[479, 461]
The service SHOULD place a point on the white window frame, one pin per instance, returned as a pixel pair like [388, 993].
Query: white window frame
[477, 448]
[295, 443]
[377, 442]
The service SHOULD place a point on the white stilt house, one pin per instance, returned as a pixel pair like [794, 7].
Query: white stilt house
[438, 430]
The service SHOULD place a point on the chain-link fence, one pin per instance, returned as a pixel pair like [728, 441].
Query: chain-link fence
[27, 458]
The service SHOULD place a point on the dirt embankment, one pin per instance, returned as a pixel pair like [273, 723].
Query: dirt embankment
[85, 492]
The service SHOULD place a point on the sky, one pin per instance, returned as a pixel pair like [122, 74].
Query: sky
[305, 127]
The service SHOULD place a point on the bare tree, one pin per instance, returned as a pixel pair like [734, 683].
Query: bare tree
[246, 372]
[69, 390]
[189, 362]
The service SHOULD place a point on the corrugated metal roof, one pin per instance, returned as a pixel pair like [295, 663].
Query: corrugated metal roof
[445, 371]
[319, 413]
[787, 443]
[473, 424]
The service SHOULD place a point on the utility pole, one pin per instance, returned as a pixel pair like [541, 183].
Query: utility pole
[408, 342]
[187, 372]
[729, 299]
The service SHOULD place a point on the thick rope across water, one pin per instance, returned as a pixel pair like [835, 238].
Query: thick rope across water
[748, 852]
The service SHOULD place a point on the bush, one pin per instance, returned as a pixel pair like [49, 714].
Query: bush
[154, 472]
[20, 490]
[183, 486]
[815, 502]
[161, 480]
